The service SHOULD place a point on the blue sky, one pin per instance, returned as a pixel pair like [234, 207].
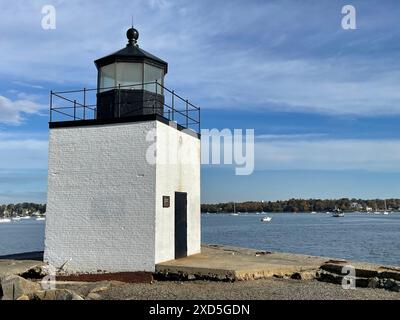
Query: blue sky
[324, 102]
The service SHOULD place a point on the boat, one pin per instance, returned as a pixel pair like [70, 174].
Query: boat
[376, 209]
[16, 218]
[40, 218]
[313, 212]
[266, 219]
[5, 220]
[337, 213]
[234, 210]
[385, 212]
[25, 217]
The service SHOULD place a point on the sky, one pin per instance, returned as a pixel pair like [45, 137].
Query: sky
[323, 101]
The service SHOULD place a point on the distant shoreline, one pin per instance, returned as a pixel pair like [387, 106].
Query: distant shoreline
[305, 205]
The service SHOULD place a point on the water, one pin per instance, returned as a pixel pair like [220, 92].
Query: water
[360, 237]
[21, 236]
[357, 237]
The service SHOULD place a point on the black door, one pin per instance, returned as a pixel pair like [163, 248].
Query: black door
[180, 225]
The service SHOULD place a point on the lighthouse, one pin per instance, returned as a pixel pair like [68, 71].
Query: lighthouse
[123, 169]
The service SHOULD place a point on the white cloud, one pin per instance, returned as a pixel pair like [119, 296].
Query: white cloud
[23, 151]
[328, 154]
[29, 85]
[245, 55]
[12, 112]
[290, 136]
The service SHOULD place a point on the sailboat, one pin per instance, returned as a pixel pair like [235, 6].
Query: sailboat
[376, 209]
[385, 212]
[234, 211]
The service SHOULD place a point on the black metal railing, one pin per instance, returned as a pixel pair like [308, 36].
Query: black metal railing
[77, 105]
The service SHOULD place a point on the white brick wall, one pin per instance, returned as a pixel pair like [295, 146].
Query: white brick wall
[104, 207]
[100, 207]
[178, 169]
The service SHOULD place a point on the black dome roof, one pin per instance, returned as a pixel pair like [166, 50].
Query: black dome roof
[131, 53]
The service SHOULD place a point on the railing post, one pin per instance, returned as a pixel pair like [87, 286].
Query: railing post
[155, 99]
[84, 103]
[74, 110]
[187, 114]
[51, 104]
[119, 100]
[173, 104]
[199, 119]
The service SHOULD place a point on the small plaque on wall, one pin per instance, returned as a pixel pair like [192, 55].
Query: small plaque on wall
[166, 201]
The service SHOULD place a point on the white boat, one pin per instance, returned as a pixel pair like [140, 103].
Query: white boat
[25, 217]
[313, 212]
[234, 210]
[385, 212]
[16, 218]
[266, 219]
[337, 213]
[5, 220]
[376, 209]
[40, 219]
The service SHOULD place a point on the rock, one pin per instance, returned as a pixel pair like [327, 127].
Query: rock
[15, 286]
[56, 294]
[373, 283]
[390, 274]
[93, 296]
[296, 276]
[20, 267]
[303, 275]
[390, 284]
[101, 288]
[23, 297]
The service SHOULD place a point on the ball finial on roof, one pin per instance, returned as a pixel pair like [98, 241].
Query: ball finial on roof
[133, 35]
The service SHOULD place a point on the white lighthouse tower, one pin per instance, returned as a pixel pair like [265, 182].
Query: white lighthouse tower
[124, 171]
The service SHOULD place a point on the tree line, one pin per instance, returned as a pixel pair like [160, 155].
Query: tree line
[25, 208]
[303, 205]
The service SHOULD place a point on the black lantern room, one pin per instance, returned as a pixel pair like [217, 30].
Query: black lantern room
[130, 82]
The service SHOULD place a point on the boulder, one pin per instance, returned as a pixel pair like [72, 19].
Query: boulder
[56, 294]
[93, 296]
[390, 284]
[373, 283]
[34, 269]
[14, 287]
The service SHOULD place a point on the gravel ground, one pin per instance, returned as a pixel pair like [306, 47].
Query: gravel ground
[265, 289]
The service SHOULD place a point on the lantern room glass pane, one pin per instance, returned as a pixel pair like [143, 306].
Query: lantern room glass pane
[151, 74]
[130, 74]
[107, 77]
